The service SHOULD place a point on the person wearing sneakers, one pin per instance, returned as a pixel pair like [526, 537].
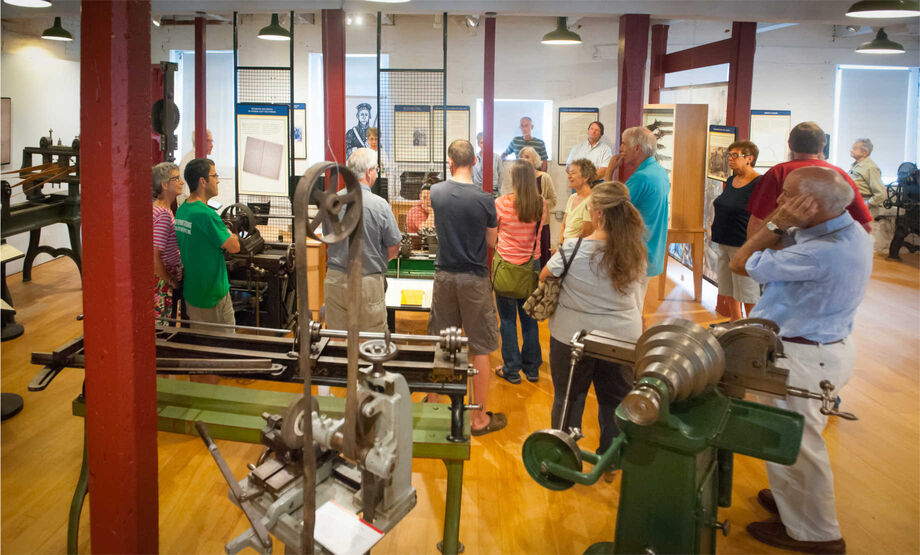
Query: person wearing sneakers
[815, 261]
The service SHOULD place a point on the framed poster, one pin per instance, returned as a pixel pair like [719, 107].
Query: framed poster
[770, 132]
[361, 111]
[572, 130]
[720, 137]
[660, 121]
[262, 143]
[300, 131]
[458, 127]
[411, 130]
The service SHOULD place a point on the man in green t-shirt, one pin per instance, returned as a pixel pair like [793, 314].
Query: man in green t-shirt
[202, 238]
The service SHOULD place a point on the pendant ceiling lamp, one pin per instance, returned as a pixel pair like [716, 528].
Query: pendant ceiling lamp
[56, 32]
[274, 30]
[28, 3]
[561, 35]
[881, 44]
[389, 1]
[881, 9]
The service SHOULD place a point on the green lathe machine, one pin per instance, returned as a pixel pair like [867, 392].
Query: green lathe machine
[680, 426]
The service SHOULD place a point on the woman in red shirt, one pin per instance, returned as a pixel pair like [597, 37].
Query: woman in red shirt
[521, 215]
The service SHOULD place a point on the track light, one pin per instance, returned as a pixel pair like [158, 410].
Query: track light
[57, 32]
[274, 30]
[881, 45]
[561, 35]
[880, 9]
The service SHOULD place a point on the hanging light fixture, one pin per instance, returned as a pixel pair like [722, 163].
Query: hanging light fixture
[561, 35]
[56, 32]
[28, 3]
[389, 1]
[883, 9]
[274, 30]
[881, 44]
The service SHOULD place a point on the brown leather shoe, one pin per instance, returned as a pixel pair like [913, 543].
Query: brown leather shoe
[766, 500]
[774, 533]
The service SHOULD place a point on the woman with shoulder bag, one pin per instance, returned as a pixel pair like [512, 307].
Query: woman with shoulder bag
[514, 272]
[597, 294]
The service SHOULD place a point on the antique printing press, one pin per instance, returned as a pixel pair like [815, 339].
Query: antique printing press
[679, 428]
[362, 462]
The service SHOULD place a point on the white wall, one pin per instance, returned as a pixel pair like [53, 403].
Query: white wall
[42, 79]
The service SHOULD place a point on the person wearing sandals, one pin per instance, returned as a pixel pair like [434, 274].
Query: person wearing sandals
[520, 222]
[597, 293]
[577, 219]
[548, 192]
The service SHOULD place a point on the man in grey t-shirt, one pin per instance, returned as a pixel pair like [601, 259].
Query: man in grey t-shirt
[466, 224]
[381, 243]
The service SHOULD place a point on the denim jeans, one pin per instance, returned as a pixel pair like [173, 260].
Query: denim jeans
[530, 357]
[611, 384]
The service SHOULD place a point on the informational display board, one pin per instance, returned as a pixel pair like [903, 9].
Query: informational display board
[262, 134]
[573, 130]
[300, 131]
[458, 127]
[720, 137]
[412, 130]
[770, 132]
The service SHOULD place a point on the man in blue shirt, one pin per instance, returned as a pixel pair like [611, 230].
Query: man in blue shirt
[815, 261]
[648, 191]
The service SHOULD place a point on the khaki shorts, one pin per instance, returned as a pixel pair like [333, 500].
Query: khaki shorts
[221, 313]
[373, 315]
[742, 288]
[465, 300]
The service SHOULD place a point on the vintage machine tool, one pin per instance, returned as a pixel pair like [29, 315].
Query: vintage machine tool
[680, 426]
[904, 196]
[59, 165]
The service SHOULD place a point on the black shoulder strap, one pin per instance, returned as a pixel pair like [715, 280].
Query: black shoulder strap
[568, 262]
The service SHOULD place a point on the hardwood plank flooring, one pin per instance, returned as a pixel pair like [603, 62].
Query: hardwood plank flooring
[876, 460]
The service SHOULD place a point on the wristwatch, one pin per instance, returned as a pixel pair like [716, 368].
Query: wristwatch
[775, 228]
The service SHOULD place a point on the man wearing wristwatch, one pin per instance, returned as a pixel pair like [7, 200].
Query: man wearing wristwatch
[815, 261]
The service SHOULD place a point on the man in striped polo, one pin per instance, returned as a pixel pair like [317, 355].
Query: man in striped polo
[519, 142]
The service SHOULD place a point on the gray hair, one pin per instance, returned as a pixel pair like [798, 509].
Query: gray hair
[827, 187]
[160, 174]
[866, 144]
[530, 154]
[361, 160]
[645, 139]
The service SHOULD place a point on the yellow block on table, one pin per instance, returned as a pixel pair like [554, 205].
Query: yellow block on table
[411, 297]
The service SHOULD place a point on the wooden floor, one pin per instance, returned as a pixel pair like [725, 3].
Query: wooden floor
[876, 460]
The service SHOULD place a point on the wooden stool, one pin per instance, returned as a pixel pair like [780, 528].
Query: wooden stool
[693, 237]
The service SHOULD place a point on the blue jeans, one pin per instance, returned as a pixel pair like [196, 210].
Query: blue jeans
[530, 357]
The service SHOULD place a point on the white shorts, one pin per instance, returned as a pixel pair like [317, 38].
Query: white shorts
[743, 288]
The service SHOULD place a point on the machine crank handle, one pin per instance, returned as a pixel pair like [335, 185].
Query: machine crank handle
[826, 397]
[724, 526]
[235, 489]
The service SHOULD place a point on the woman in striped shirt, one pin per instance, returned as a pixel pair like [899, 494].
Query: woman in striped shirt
[167, 267]
[520, 218]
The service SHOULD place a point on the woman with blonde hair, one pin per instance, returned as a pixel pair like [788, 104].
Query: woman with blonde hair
[520, 217]
[548, 192]
[598, 293]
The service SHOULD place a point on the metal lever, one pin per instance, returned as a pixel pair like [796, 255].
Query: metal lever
[826, 397]
[235, 489]
[724, 526]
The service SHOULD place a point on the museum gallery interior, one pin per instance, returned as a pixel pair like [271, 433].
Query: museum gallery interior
[708, 210]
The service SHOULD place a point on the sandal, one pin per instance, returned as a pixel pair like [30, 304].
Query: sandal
[497, 421]
[511, 378]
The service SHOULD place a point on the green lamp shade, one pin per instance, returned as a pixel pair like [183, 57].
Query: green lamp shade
[56, 32]
[561, 35]
[274, 31]
[28, 3]
[881, 45]
[880, 9]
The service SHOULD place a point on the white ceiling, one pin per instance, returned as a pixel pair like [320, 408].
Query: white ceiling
[800, 11]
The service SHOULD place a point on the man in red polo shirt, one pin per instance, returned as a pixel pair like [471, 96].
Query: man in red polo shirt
[806, 141]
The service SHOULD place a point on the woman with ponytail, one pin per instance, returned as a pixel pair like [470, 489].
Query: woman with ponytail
[598, 293]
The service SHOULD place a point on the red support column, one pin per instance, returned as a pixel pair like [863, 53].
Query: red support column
[117, 271]
[334, 84]
[741, 77]
[656, 71]
[201, 97]
[488, 104]
[631, 59]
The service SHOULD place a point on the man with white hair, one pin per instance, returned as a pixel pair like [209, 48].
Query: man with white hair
[866, 174]
[648, 191]
[381, 243]
[815, 261]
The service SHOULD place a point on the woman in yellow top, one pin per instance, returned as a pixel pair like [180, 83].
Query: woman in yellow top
[577, 219]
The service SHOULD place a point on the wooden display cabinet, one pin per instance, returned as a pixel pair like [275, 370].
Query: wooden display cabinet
[682, 132]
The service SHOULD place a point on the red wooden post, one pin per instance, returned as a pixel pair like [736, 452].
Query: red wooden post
[488, 105]
[741, 77]
[118, 269]
[201, 97]
[656, 71]
[334, 84]
[631, 57]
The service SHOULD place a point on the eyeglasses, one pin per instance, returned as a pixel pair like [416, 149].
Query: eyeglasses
[734, 155]
[176, 178]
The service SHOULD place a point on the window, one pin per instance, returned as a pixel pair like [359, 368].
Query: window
[507, 118]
